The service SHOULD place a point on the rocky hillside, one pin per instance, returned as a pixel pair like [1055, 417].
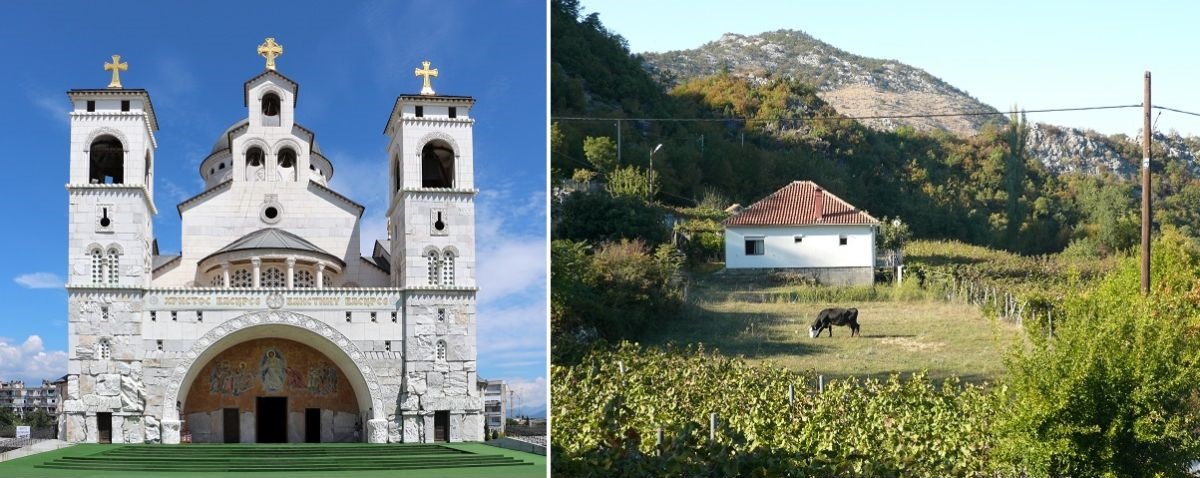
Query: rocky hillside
[860, 86]
[1071, 150]
[854, 85]
[1068, 150]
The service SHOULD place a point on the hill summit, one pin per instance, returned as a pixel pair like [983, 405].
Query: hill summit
[855, 85]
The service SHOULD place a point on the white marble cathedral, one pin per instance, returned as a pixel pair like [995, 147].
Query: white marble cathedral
[270, 325]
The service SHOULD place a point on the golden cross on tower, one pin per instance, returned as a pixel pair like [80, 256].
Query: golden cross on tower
[426, 72]
[270, 50]
[116, 67]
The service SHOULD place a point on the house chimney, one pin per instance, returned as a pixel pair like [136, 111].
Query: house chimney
[819, 205]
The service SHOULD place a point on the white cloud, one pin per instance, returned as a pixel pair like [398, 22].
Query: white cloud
[54, 106]
[174, 192]
[510, 267]
[529, 396]
[30, 361]
[40, 280]
[363, 180]
[512, 337]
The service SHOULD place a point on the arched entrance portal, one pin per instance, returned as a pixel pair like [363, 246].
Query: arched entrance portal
[271, 390]
[336, 347]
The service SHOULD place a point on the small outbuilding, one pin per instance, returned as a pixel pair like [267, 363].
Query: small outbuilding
[803, 228]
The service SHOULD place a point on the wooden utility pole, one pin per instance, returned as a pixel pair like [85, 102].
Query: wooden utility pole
[1146, 135]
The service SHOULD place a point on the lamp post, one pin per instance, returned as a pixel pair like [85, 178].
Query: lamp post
[650, 173]
[655, 150]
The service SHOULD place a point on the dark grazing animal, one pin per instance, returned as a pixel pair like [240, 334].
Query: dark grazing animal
[834, 316]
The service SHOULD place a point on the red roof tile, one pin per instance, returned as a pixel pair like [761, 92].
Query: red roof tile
[796, 205]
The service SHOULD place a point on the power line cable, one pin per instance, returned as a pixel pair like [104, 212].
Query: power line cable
[1175, 110]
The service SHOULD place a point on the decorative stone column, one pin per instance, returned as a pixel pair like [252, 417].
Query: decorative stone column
[225, 273]
[291, 273]
[321, 275]
[257, 262]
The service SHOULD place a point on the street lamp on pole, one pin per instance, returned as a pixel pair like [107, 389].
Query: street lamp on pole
[655, 150]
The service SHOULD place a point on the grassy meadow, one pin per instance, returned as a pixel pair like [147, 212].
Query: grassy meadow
[902, 330]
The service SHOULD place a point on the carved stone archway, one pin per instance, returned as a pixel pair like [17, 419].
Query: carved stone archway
[301, 328]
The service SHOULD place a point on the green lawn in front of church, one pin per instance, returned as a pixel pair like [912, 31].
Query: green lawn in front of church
[272, 460]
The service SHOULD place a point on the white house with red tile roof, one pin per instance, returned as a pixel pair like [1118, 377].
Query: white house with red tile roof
[804, 228]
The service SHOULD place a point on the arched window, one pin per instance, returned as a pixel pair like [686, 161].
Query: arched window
[397, 171]
[273, 277]
[147, 170]
[287, 162]
[448, 268]
[112, 266]
[434, 263]
[241, 278]
[270, 109]
[303, 279]
[441, 350]
[97, 266]
[437, 165]
[106, 161]
[255, 158]
[104, 349]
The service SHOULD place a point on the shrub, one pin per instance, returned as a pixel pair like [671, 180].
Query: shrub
[597, 217]
[1113, 392]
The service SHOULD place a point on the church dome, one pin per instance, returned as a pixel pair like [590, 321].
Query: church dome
[271, 242]
[223, 139]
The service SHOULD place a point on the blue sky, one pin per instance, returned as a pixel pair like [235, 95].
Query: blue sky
[351, 59]
[1035, 54]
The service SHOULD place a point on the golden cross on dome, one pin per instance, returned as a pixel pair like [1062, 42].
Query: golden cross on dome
[116, 67]
[426, 89]
[270, 50]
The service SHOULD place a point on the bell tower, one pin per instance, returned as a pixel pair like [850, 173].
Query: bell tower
[432, 194]
[432, 219]
[110, 242]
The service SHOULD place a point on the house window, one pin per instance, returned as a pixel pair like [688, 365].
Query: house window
[159, 344]
[420, 111]
[393, 316]
[387, 345]
[105, 349]
[841, 240]
[453, 112]
[798, 239]
[91, 106]
[104, 312]
[754, 247]
[124, 105]
[441, 350]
